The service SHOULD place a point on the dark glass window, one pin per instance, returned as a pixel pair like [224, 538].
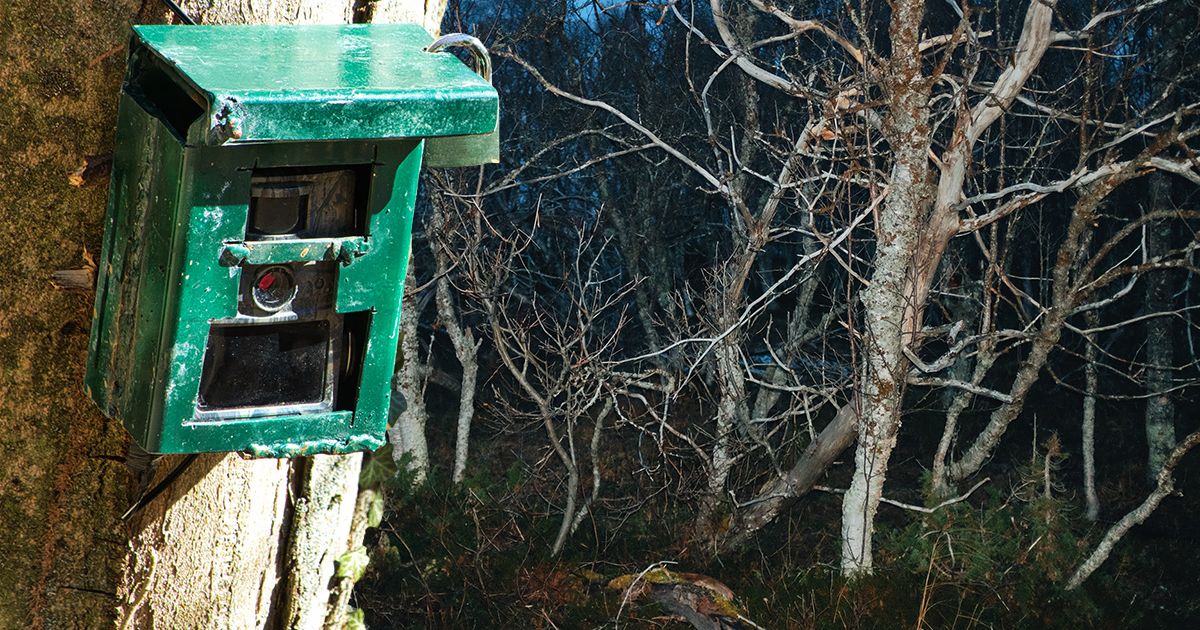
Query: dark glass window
[265, 365]
[308, 202]
[278, 209]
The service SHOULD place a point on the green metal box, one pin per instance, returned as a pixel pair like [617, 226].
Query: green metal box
[258, 230]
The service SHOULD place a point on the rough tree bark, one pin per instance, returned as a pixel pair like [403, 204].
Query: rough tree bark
[270, 12]
[254, 541]
[407, 434]
[1160, 349]
[884, 302]
[731, 413]
[427, 13]
[238, 543]
[914, 230]
[62, 483]
[1089, 422]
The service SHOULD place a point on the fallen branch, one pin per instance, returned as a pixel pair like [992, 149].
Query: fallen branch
[779, 492]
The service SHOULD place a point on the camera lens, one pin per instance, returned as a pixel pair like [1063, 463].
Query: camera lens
[278, 209]
[274, 288]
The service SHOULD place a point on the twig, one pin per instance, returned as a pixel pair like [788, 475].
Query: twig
[637, 580]
[915, 508]
[932, 381]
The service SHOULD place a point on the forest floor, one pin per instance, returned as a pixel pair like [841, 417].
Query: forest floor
[477, 555]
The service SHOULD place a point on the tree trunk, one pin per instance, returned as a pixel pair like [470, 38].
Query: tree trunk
[881, 392]
[1089, 421]
[254, 541]
[804, 474]
[731, 413]
[466, 348]
[1160, 349]
[1160, 331]
[939, 473]
[882, 386]
[62, 483]
[269, 12]
[407, 434]
[427, 13]
[888, 307]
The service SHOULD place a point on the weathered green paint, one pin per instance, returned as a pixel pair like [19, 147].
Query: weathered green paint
[175, 243]
[320, 82]
[345, 249]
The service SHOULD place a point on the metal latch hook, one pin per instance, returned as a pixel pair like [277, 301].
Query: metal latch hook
[483, 61]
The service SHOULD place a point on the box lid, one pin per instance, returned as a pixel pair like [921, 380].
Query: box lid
[253, 83]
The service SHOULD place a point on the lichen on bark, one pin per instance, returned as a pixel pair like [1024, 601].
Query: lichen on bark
[63, 484]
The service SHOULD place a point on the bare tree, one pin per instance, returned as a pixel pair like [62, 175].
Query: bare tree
[909, 143]
[466, 347]
[552, 351]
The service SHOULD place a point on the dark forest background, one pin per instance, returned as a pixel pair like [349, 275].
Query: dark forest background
[629, 341]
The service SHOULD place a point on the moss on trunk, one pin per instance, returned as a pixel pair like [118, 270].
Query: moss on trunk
[64, 485]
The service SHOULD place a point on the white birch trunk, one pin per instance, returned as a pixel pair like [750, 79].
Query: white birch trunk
[466, 348]
[888, 309]
[731, 410]
[882, 386]
[407, 433]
